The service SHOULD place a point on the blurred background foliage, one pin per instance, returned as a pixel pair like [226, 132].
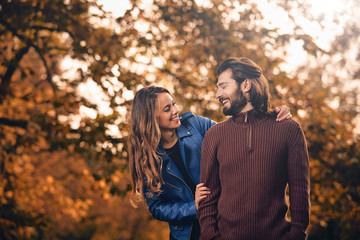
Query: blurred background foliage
[69, 71]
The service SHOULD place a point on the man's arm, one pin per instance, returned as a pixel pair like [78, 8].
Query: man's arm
[299, 183]
[210, 177]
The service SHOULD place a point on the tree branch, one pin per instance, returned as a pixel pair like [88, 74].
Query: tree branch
[14, 63]
[14, 123]
[48, 73]
[29, 44]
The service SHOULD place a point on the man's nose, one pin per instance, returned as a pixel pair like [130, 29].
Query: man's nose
[218, 93]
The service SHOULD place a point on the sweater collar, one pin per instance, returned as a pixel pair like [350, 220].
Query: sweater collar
[247, 117]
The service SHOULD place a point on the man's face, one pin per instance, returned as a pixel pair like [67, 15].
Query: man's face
[229, 93]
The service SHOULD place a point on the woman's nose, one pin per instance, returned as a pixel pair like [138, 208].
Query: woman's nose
[175, 109]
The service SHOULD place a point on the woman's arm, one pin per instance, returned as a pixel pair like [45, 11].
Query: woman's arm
[171, 211]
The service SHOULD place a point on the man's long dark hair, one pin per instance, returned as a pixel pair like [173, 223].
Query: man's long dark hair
[244, 68]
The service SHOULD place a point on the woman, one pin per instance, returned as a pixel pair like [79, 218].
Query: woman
[164, 159]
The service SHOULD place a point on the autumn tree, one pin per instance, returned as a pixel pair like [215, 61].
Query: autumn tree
[327, 103]
[62, 174]
[63, 164]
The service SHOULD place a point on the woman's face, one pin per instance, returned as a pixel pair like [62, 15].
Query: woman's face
[168, 113]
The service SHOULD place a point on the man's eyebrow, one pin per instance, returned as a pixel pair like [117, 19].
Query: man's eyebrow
[220, 84]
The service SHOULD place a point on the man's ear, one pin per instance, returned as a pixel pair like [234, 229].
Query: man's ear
[246, 85]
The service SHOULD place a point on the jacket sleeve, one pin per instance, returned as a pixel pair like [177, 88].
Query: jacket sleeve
[299, 183]
[170, 211]
[210, 177]
[205, 124]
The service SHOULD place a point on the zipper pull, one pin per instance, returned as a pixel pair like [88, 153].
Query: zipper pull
[246, 117]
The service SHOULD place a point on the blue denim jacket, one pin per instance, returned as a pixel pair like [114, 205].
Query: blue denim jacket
[176, 204]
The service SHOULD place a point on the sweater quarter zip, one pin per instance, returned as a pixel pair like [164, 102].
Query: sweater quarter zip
[250, 146]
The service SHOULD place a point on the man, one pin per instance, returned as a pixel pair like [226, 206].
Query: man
[247, 162]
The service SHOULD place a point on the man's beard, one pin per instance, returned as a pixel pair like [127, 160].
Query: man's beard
[238, 102]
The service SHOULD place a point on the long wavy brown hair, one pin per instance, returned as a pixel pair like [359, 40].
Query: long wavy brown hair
[144, 162]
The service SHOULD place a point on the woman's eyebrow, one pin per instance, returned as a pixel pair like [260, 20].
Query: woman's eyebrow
[168, 105]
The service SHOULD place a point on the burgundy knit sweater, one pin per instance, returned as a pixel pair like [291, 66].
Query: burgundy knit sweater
[247, 162]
